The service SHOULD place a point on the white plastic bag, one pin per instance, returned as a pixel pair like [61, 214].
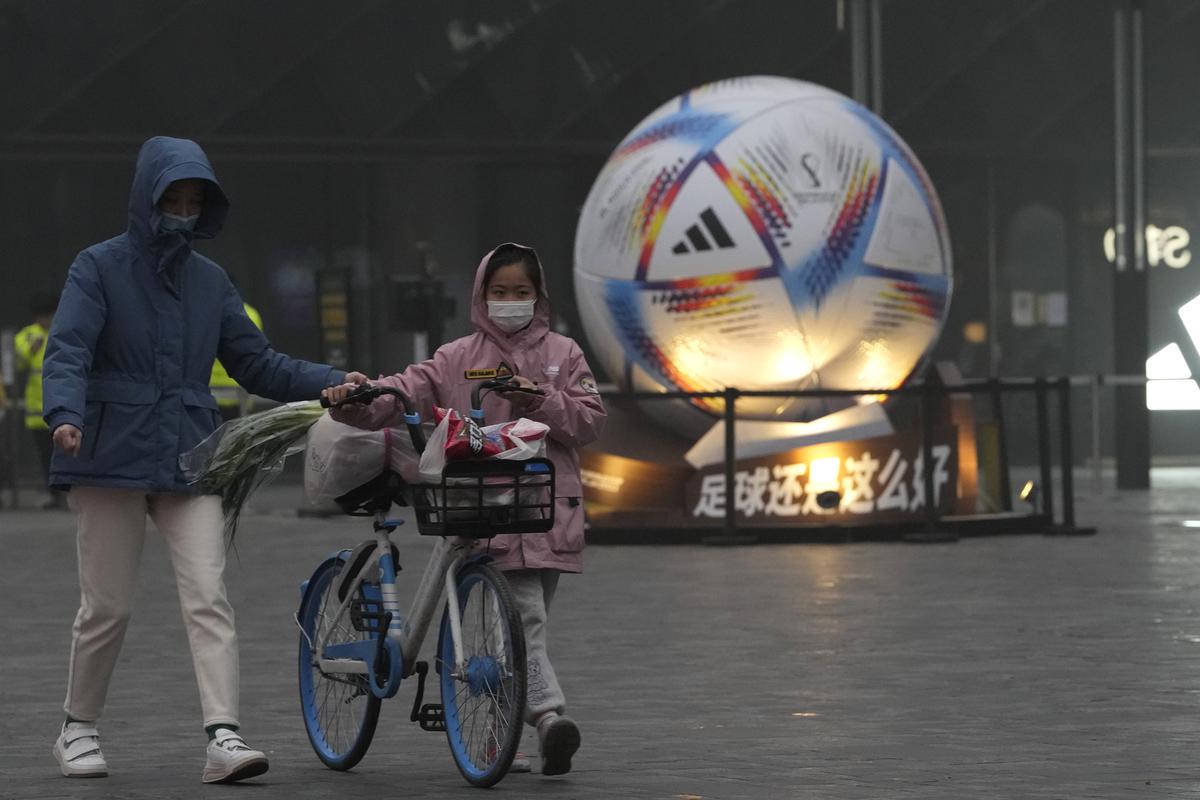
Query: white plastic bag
[341, 457]
[518, 440]
[433, 460]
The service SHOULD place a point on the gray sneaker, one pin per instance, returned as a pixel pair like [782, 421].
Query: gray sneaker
[231, 759]
[559, 737]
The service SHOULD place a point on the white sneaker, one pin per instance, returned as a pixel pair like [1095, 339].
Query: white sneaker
[231, 759]
[77, 750]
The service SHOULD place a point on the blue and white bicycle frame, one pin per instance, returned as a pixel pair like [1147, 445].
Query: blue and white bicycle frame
[404, 637]
[357, 646]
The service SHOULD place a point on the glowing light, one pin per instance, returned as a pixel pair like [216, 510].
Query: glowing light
[1172, 395]
[1169, 386]
[789, 362]
[975, 332]
[1027, 490]
[689, 356]
[823, 473]
[805, 714]
[1167, 363]
[878, 365]
[1190, 314]
[1167, 245]
[601, 481]
[1191, 523]
[790, 366]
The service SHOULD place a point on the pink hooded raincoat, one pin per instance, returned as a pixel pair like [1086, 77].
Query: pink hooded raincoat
[571, 407]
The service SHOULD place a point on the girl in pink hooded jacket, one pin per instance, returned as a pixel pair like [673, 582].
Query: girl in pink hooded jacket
[510, 309]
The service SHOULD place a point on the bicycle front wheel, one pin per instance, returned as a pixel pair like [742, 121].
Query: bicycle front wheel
[340, 712]
[483, 697]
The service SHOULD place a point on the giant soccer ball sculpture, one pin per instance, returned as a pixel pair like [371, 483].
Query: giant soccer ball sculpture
[762, 233]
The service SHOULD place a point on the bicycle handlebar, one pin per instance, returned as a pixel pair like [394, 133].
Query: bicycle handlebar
[367, 393]
[499, 386]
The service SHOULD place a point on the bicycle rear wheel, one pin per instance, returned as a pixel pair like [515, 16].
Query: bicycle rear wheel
[483, 699]
[340, 712]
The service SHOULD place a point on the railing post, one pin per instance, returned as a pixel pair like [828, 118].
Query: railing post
[1043, 434]
[1065, 453]
[1001, 444]
[1097, 470]
[933, 530]
[730, 457]
[927, 414]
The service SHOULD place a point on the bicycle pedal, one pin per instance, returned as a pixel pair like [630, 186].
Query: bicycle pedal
[431, 717]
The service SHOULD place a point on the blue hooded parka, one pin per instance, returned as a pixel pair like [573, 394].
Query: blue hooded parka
[140, 321]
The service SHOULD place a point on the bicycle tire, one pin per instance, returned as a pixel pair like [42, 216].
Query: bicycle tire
[485, 708]
[340, 713]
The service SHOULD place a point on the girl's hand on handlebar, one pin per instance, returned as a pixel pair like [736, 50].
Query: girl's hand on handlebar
[522, 399]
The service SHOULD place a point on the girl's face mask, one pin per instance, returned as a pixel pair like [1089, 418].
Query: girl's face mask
[511, 315]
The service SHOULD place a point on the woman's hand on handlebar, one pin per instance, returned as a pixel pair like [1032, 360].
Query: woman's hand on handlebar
[336, 394]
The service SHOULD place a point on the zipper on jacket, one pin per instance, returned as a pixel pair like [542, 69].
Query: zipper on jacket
[99, 427]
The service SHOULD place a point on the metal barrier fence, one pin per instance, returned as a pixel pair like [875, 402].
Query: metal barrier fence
[929, 393]
[1095, 383]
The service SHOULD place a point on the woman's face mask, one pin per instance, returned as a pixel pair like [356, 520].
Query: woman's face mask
[511, 315]
[180, 206]
[173, 223]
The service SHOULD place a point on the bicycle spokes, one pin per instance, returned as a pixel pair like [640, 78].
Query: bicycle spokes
[484, 695]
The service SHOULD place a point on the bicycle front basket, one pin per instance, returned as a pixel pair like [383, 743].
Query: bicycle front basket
[480, 499]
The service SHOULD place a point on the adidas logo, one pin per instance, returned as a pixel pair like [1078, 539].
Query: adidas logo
[699, 242]
[1169, 382]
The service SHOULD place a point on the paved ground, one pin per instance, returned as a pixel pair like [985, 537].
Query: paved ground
[1007, 667]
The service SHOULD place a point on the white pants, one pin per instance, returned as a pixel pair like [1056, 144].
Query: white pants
[533, 591]
[111, 530]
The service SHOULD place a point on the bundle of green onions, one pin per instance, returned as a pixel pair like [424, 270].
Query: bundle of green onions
[244, 453]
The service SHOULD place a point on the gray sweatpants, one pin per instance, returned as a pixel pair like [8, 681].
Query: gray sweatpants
[533, 591]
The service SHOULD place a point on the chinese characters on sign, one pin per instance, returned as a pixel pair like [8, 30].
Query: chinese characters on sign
[875, 477]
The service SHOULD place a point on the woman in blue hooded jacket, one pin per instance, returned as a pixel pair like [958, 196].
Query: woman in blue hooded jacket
[125, 377]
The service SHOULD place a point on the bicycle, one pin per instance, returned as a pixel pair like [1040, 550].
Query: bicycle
[355, 645]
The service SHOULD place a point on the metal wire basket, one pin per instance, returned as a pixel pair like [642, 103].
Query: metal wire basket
[481, 499]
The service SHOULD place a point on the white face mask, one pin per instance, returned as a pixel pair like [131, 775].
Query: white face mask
[511, 315]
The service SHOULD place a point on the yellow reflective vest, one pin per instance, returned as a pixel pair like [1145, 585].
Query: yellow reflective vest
[30, 345]
[223, 387]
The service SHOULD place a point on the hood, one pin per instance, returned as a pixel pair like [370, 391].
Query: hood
[161, 161]
[531, 333]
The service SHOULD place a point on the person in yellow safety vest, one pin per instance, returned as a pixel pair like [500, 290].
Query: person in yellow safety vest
[224, 388]
[30, 346]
